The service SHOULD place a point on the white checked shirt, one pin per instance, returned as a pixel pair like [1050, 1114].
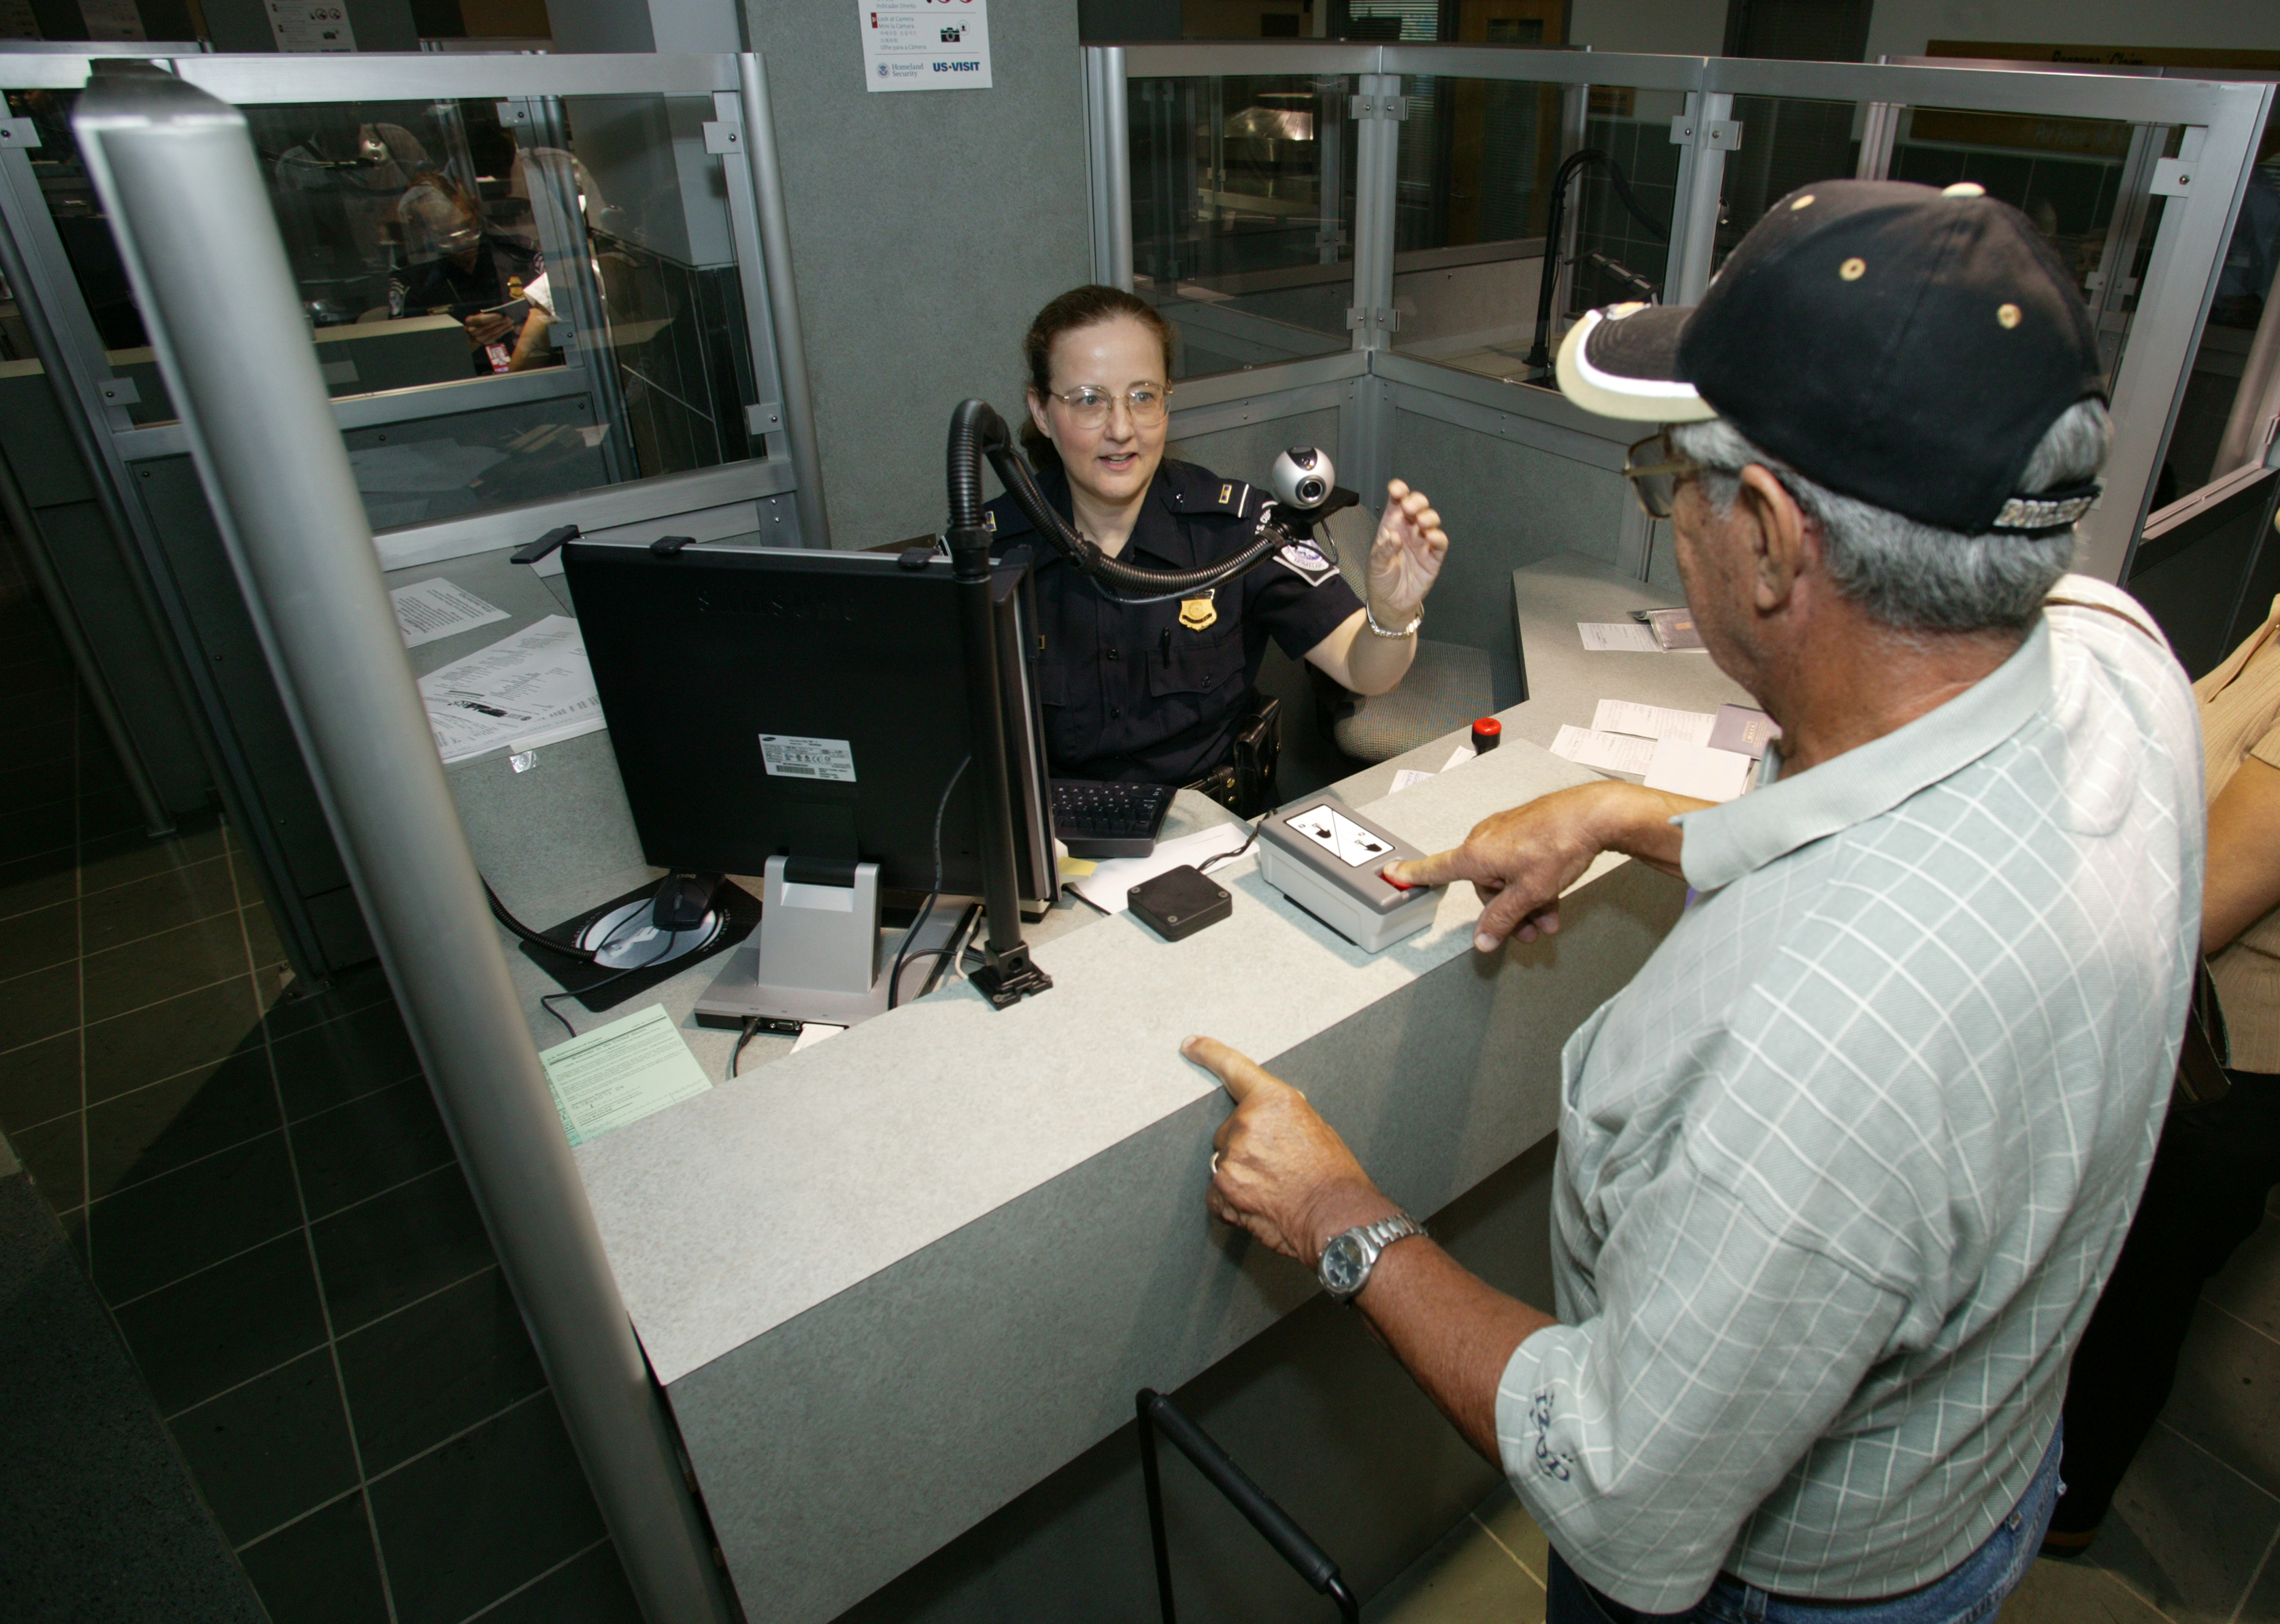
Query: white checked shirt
[1843, 1169]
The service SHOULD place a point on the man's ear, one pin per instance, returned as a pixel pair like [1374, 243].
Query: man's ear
[1779, 546]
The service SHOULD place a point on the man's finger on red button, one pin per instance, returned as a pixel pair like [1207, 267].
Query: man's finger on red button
[1437, 869]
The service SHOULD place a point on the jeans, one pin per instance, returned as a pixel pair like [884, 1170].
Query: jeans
[1971, 1593]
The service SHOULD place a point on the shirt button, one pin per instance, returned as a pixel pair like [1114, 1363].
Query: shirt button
[1115, 714]
[1112, 654]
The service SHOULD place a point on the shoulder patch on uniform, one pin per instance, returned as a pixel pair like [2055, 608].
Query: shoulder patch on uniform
[990, 519]
[1302, 559]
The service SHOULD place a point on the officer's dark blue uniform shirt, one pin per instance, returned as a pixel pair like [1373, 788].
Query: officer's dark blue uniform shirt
[1151, 693]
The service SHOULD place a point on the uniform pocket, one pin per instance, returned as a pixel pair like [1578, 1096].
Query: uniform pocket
[1199, 663]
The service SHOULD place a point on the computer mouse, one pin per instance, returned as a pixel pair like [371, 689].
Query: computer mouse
[683, 901]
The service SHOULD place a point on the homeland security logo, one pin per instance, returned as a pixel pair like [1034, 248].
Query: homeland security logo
[958, 68]
[1304, 561]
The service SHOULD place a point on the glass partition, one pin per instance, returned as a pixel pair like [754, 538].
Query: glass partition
[2064, 174]
[1478, 161]
[1242, 206]
[443, 249]
[1788, 142]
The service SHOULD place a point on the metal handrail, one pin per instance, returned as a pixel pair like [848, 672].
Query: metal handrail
[1157, 1413]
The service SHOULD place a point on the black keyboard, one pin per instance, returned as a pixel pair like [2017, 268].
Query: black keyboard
[1100, 820]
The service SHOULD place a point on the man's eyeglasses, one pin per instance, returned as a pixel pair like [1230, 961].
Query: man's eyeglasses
[1088, 404]
[1655, 472]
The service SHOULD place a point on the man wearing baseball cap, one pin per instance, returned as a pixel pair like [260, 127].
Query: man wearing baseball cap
[1842, 1169]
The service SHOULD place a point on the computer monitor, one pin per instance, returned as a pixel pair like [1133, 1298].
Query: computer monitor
[798, 715]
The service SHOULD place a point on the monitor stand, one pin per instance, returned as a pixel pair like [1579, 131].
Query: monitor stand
[822, 956]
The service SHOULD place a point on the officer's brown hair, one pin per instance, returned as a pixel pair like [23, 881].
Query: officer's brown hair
[1079, 307]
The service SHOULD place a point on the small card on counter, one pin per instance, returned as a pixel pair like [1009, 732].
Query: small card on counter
[1674, 629]
[1606, 752]
[1706, 774]
[620, 1072]
[1618, 637]
[1739, 727]
[1653, 722]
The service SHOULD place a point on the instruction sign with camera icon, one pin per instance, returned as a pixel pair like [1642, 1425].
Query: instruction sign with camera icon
[925, 44]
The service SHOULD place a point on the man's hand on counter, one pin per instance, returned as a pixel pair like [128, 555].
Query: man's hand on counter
[1282, 1174]
[1520, 861]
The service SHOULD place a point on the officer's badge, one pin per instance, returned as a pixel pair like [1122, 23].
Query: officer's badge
[1305, 561]
[1200, 614]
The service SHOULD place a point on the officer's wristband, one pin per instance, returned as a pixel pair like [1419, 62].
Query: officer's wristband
[1369, 616]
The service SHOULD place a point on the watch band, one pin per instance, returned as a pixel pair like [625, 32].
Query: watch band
[1370, 1240]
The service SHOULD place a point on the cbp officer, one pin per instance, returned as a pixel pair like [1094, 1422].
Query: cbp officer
[1155, 693]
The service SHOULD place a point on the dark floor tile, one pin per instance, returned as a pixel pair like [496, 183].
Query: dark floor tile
[261, 936]
[26, 784]
[109, 810]
[2226, 1394]
[123, 859]
[153, 1234]
[354, 1151]
[162, 966]
[589, 1589]
[201, 1028]
[39, 1081]
[52, 1154]
[351, 992]
[37, 940]
[228, 1324]
[160, 902]
[40, 1004]
[436, 1368]
[2249, 1287]
[40, 710]
[485, 1513]
[272, 1448]
[49, 744]
[399, 1247]
[32, 882]
[38, 828]
[320, 1570]
[33, 670]
[332, 1064]
[162, 1126]
[2185, 1532]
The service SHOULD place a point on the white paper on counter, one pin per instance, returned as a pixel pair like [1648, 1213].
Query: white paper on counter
[1459, 755]
[1605, 752]
[1105, 886]
[1653, 722]
[533, 688]
[1698, 770]
[620, 1072]
[1618, 637]
[813, 1032]
[1408, 778]
[433, 609]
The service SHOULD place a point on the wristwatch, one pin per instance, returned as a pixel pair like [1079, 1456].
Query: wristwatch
[1349, 1257]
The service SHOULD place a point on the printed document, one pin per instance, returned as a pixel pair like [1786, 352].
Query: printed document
[1653, 722]
[620, 1072]
[1606, 752]
[533, 688]
[1686, 768]
[433, 609]
[1618, 636]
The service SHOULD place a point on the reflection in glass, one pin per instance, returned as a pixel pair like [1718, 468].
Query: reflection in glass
[436, 246]
[1241, 215]
[1788, 142]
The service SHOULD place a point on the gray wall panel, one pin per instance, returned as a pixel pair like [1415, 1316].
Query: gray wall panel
[1503, 506]
[1249, 451]
[928, 227]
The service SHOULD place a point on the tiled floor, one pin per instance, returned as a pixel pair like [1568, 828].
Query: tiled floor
[262, 1192]
[2193, 1537]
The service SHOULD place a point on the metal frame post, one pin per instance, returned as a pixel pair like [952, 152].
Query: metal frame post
[1701, 188]
[1108, 157]
[1378, 179]
[176, 170]
[783, 300]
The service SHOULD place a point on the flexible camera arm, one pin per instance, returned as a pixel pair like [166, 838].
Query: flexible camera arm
[1539, 355]
[976, 431]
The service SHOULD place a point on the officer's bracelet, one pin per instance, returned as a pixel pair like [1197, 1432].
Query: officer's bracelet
[1410, 630]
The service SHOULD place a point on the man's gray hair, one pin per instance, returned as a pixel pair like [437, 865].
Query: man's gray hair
[1910, 575]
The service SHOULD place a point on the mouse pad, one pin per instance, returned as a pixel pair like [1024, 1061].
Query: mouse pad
[743, 910]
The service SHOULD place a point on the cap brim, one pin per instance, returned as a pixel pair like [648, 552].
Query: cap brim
[1623, 363]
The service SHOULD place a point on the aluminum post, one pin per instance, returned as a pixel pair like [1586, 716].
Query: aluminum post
[783, 299]
[177, 174]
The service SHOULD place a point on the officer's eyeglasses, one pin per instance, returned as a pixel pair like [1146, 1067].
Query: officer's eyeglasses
[1656, 472]
[1088, 404]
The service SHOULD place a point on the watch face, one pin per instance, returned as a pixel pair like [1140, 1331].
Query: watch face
[1343, 1270]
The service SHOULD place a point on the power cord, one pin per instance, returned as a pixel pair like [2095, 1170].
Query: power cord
[926, 908]
[1208, 864]
[751, 1025]
[568, 950]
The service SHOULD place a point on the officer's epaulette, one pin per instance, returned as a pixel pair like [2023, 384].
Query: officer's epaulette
[1199, 490]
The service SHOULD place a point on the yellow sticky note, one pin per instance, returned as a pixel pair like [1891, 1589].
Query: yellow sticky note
[1077, 867]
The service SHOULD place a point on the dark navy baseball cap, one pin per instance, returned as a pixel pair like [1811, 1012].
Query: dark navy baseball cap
[1902, 345]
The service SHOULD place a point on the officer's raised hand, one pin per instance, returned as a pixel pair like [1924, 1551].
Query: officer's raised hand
[1405, 558]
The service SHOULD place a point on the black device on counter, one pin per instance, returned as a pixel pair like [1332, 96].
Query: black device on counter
[1109, 820]
[1178, 903]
